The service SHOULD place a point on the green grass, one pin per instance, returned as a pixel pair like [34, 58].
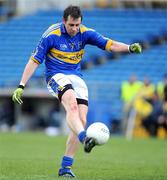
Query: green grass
[27, 156]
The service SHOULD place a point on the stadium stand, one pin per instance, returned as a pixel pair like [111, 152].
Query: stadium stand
[19, 36]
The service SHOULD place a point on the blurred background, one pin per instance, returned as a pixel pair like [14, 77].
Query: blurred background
[127, 92]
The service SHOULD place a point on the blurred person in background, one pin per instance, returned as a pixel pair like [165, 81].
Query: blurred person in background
[162, 93]
[147, 90]
[129, 90]
[162, 89]
[62, 48]
[156, 118]
[144, 98]
[145, 101]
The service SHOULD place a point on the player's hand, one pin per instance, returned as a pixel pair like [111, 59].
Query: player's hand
[17, 95]
[135, 48]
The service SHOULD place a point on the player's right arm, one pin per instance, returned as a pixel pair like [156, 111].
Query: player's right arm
[36, 59]
[28, 72]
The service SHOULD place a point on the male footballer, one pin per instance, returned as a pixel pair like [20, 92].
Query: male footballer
[61, 48]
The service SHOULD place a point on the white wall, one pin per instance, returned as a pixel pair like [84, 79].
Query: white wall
[29, 6]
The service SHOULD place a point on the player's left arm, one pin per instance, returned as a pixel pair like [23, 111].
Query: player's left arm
[94, 38]
[116, 46]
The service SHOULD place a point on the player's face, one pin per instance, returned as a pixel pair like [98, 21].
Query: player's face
[72, 25]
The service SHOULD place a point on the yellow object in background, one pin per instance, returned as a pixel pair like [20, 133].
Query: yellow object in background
[139, 131]
[162, 134]
[142, 107]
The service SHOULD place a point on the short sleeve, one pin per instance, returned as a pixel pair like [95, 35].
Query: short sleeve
[96, 39]
[42, 49]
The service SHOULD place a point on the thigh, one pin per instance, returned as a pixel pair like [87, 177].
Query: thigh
[80, 87]
[69, 101]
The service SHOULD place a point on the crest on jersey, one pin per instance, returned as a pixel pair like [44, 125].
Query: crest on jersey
[63, 47]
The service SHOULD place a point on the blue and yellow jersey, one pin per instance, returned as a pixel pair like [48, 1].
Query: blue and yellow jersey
[63, 53]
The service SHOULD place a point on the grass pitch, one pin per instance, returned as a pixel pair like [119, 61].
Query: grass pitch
[35, 156]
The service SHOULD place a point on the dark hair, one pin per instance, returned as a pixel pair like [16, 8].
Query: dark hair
[73, 11]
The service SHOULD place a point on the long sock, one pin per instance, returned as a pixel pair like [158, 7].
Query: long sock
[67, 161]
[81, 136]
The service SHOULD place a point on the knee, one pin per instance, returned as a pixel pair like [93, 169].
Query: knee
[72, 104]
[69, 101]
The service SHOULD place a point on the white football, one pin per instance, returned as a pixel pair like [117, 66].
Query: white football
[99, 131]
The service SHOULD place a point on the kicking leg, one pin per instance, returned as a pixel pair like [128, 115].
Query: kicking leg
[72, 143]
[72, 111]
